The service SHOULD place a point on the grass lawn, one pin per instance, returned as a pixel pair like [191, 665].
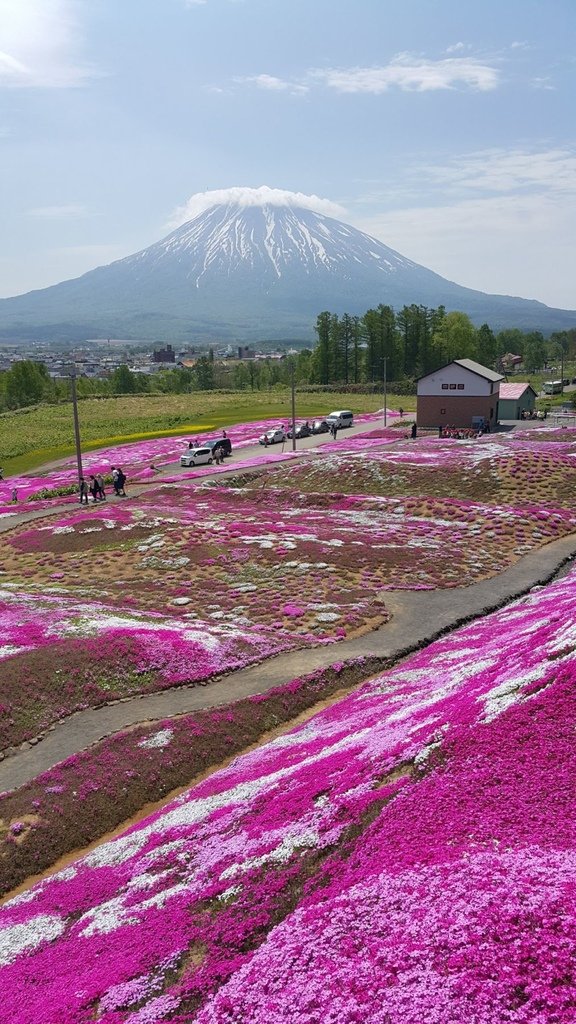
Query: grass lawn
[33, 437]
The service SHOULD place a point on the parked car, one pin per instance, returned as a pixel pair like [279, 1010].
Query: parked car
[302, 430]
[223, 443]
[197, 457]
[340, 418]
[319, 427]
[273, 436]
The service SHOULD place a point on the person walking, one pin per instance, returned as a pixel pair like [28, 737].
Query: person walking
[115, 473]
[121, 480]
[413, 431]
[15, 495]
[100, 482]
[93, 488]
[83, 491]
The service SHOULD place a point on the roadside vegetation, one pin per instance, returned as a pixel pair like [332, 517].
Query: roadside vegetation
[34, 436]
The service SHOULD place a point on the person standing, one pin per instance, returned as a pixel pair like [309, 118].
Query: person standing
[413, 431]
[121, 480]
[115, 473]
[83, 491]
[100, 482]
[93, 488]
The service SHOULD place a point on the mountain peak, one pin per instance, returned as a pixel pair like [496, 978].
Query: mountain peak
[248, 264]
[245, 196]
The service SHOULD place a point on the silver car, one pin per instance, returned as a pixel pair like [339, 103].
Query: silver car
[197, 457]
[273, 436]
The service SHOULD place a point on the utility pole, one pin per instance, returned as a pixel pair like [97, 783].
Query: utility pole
[76, 423]
[293, 404]
[385, 388]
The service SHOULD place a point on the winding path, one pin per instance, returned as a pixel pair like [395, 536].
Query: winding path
[417, 618]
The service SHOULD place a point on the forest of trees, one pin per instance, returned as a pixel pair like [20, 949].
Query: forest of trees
[417, 340]
[350, 350]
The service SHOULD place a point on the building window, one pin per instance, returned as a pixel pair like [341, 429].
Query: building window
[444, 387]
[442, 412]
[460, 387]
[452, 387]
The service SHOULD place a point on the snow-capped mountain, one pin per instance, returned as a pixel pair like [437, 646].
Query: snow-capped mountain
[256, 264]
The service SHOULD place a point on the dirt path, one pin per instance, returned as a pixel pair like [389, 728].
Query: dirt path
[417, 618]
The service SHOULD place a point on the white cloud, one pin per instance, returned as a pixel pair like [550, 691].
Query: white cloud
[498, 221]
[411, 74]
[458, 47]
[498, 170]
[40, 42]
[57, 212]
[202, 201]
[503, 245]
[273, 84]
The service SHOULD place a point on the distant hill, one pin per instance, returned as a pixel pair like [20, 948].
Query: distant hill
[247, 272]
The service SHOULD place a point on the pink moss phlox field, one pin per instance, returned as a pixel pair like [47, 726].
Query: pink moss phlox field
[408, 854]
[135, 457]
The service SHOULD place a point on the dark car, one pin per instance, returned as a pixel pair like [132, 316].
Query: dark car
[319, 427]
[302, 430]
[223, 443]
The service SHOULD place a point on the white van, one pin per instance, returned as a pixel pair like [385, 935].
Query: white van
[340, 418]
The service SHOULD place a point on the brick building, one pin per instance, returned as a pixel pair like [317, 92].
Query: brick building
[458, 394]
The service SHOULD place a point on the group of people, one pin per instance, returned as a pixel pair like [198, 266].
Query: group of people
[533, 414]
[464, 433]
[95, 486]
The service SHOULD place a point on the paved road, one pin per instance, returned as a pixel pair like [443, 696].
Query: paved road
[27, 512]
[315, 441]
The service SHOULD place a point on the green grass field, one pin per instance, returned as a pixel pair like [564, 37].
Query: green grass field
[33, 437]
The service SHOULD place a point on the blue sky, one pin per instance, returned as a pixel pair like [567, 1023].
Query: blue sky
[445, 128]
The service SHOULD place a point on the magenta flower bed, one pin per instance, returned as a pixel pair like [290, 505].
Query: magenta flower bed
[405, 855]
[137, 457]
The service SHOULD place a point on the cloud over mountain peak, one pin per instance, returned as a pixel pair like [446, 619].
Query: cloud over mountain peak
[245, 196]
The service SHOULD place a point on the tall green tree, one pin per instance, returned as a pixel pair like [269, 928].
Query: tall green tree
[511, 339]
[486, 348]
[534, 351]
[323, 332]
[382, 342]
[26, 383]
[204, 374]
[454, 338]
[123, 380]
